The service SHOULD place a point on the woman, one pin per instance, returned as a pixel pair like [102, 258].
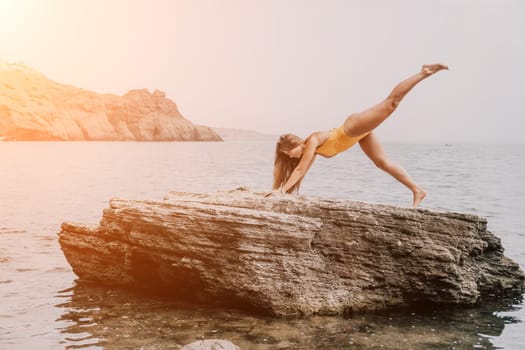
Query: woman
[293, 156]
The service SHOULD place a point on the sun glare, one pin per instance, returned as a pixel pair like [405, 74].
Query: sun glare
[9, 15]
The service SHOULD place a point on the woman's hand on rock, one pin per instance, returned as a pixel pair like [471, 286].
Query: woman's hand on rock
[273, 192]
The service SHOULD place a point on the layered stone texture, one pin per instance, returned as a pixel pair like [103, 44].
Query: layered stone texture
[292, 255]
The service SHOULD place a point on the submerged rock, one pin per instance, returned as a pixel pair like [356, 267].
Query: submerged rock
[289, 255]
[211, 344]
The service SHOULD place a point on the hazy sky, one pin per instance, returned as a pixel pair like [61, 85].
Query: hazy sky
[289, 65]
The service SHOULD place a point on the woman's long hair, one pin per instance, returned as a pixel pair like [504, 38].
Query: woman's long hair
[285, 165]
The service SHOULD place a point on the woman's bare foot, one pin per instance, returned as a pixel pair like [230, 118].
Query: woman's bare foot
[419, 195]
[429, 69]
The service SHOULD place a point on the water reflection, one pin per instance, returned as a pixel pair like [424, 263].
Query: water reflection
[96, 317]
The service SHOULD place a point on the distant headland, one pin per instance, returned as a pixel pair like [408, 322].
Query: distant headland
[34, 108]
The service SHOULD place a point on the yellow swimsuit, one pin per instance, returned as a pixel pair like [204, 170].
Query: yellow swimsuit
[338, 142]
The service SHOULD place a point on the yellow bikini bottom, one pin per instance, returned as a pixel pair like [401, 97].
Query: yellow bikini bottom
[338, 142]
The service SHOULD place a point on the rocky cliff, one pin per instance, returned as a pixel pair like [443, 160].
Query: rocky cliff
[33, 107]
[288, 255]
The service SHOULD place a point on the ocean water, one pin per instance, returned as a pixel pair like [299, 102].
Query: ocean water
[42, 184]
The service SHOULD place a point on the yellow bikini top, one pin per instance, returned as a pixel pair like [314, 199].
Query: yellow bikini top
[338, 142]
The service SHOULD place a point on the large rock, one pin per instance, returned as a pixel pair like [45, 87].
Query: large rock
[288, 255]
[33, 107]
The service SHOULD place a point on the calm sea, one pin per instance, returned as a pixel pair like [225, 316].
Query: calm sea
[42, 306]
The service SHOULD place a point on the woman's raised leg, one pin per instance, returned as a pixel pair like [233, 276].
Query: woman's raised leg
[360, 123]
[373, 149]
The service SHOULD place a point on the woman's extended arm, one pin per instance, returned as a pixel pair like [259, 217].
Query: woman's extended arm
[305, 163]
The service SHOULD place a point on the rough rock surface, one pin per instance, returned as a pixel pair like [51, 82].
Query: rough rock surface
[289, 255]
[33, 107]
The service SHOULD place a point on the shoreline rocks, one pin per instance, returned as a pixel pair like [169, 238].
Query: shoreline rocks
[292, 255]
[34, 108]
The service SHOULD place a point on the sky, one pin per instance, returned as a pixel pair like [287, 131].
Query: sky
[297, 66]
